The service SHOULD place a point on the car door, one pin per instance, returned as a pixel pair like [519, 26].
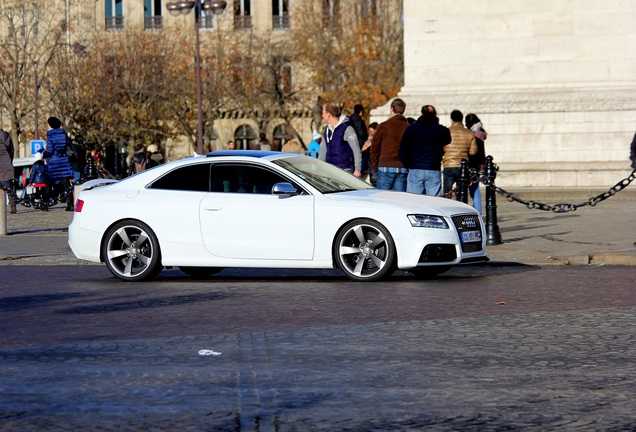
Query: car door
[242, 219]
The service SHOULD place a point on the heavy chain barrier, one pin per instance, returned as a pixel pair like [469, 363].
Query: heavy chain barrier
[561, 207]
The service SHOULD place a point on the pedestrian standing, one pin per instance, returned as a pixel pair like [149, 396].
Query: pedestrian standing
[356, 120]
[373, 126]
[632, 154]
[7, 172]
[476, 161]
[59, 171]
[421, 151]
[341, 147]
[263, 142]
[462, 145]
[314, 146]
[38, 181]
[385, 150]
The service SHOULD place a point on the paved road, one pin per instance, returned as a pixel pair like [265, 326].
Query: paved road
[513, 347]
[521, 343]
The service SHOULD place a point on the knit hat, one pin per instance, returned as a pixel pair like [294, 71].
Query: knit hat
[152, 148]
[38, 156]
[316, 136]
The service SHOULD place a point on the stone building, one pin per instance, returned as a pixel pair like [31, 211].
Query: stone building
[273, 20]
[553, 82]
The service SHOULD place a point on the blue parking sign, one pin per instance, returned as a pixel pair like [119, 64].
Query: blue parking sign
[36, 146]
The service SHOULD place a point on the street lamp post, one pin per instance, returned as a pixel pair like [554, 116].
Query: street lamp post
[184, 7]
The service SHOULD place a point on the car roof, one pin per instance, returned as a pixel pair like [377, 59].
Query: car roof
[244, 153]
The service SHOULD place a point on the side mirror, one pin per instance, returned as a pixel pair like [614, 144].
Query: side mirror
[284, 189]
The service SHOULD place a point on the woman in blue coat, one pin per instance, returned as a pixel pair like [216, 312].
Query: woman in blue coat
[59, 171]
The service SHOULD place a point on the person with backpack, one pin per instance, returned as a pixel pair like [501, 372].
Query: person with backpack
[139, 160]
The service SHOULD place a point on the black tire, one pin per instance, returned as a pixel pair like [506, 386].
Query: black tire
[200, 272]
[429, 272]
[364, 251]
[131, 251]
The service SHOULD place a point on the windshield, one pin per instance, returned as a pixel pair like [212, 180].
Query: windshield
[321, 175]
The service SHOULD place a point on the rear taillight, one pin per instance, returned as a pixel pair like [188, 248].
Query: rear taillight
[78, 205]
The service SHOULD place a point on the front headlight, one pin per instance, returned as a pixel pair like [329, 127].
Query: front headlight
[427, 221]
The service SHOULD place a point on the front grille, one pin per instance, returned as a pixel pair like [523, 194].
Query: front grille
[466, 223]
[438, 253]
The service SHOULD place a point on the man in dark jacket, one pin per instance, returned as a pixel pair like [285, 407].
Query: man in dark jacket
[421, 151]
[7, 173]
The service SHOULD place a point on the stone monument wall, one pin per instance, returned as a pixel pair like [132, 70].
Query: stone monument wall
[553, 82]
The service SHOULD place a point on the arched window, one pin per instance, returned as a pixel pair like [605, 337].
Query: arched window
[281, 136]
[245, 137]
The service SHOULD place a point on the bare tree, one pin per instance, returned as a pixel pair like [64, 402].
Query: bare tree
[354, 55]
[28, 46]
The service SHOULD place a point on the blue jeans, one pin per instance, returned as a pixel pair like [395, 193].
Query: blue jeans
[473, 190]
[424, 181]
[391, 181]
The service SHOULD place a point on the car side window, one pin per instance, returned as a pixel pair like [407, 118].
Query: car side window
[195, 177]
[235, 178]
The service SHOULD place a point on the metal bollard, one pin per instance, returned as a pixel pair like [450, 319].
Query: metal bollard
[492, 229]
[3, 213]
[463, 182]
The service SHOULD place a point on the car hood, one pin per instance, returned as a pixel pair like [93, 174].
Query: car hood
[411, 203]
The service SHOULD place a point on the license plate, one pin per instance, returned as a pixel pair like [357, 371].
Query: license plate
[471, 236]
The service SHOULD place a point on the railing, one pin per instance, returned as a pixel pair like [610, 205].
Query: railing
[468, 177]
[115, 23]
[153, 22]
[281, 22]
[242, 22]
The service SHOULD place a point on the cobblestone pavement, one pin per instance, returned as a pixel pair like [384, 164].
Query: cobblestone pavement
[527, 348]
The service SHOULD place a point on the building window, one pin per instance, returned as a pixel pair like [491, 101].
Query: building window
[242, 69]
[283, 76]
[152, 15]
[242, 14]
[330, 13]
[245, 137]
[370, 8]
[114, 14]
[25, 23]
[280, 14]
[206, 20]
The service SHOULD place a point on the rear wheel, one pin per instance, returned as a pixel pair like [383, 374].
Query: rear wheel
[200, 272]
[131, 251]
[364, 250]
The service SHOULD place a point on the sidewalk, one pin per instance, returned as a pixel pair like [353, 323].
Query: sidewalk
[601, 235]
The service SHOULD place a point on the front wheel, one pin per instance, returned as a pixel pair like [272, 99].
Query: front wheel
[131, 251]
[364, 250]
